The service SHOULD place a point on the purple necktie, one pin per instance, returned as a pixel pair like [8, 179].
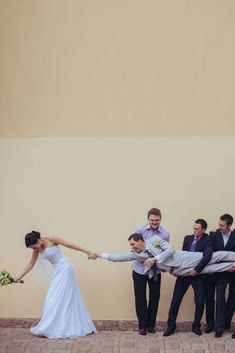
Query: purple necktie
[193, 246]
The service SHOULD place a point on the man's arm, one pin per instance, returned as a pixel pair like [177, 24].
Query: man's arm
[207, 254]
[187, 239]
[161, 250]
[167, 251]
[116, 257]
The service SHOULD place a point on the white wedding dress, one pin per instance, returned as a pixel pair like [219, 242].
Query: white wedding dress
[64, 314]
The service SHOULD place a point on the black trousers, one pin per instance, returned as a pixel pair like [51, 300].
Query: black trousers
[223, 309]
[210, 301]
[146, 312]
[230, 303]
[181, 286]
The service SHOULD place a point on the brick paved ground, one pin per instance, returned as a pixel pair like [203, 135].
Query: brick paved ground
[20, 340]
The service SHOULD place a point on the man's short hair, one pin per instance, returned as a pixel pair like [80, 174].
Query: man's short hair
[202, 222]
[227, 218]
[136, 237]
[155, 212]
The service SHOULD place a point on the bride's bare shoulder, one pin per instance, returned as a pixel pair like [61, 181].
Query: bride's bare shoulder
[49, 240]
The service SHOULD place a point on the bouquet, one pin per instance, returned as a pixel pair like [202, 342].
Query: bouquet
[6, 278]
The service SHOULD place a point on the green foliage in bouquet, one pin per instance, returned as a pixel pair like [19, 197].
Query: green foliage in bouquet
[5, 278]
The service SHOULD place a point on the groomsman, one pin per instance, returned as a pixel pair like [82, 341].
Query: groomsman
[199, 241]
[156, 251]
[146, 310]
[222, 239]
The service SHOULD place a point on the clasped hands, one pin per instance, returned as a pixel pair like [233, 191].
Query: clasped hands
[149, 262]
[92, 256]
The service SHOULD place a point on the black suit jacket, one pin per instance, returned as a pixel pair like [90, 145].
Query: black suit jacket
[203, 245]
[218, 242]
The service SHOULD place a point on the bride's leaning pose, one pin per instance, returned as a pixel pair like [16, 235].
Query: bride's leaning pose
[64, 314]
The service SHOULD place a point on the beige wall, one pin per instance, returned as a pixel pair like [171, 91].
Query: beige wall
[117, 68]
[109, 108]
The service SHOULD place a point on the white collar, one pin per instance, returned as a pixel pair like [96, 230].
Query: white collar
[226, 235]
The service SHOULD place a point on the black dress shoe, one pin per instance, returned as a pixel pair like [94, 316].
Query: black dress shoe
[208, 329]
[169, 331]
[151, 329]
[197, 331]
[233, 335]
[218, 334]
[142, 332]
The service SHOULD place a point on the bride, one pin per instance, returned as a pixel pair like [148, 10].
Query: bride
[64, 314]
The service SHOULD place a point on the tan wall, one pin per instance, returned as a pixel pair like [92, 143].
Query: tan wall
[117, 68]
[105, 112]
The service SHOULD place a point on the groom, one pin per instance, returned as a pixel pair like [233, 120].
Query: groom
[179, 263]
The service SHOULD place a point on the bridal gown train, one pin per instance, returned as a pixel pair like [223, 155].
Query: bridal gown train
[64, 313]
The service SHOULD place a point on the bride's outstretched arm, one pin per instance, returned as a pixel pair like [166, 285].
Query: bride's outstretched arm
[73, 246]
[29, 266]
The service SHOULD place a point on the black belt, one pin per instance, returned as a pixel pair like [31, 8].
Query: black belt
[172, 269]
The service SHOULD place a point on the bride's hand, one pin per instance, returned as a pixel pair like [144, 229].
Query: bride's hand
[16, 280]
[92, 256]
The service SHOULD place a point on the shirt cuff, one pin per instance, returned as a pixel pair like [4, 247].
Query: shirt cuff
[104, 256]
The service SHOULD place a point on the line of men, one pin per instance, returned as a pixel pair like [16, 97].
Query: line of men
[209, 289]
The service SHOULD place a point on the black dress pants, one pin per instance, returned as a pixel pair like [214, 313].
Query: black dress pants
[224, 310]
[230, 304]
[210, 300]
[181, 286]
[146, 311]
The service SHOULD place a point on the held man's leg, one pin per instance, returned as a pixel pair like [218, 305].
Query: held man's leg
[208, 269]
[221, 256]
[217, 267]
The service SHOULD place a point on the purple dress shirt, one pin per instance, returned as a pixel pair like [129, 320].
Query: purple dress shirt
[147, 233]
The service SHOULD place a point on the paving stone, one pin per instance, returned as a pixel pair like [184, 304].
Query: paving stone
[129, 344]
[154, 350]
[15, 349]
[47, 350]
[18, 340]
[173, 351]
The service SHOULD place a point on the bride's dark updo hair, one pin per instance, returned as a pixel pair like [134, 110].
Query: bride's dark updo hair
[32, 238]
